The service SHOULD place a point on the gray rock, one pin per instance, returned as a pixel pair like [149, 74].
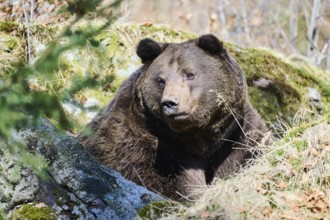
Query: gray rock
[315, 99]
[262, 82]
[77, 185]
[17, 184]
[317, 133]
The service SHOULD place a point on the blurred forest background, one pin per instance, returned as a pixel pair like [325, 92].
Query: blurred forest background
[297, 28]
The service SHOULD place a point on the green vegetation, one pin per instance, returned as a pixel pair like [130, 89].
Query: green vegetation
[3, 215]
[157, 209]
[287, 90]
[33, 212]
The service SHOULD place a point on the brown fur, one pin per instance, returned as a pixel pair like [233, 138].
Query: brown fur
[180, 120]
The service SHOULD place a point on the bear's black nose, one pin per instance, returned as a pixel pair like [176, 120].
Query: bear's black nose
[170, 106]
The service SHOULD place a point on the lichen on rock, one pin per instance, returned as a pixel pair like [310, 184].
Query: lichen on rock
[76, 186]
[17, 184]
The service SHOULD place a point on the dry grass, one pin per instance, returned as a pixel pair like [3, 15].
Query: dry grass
[8, 56]
[290, 181]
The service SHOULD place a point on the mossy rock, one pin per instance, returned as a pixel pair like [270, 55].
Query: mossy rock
[286, 85]
[288, 81]
[113, 50]
[32, 212]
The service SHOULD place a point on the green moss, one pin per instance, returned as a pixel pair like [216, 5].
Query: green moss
[31, 212]
[287, 91]
[82, 212]
[297, 163]
[44, 32]
[11, 44]
[276, 157]
[155, 210]
[8, 26]
[300, 145]
[3, 214]
[15, 173]
[5, 198]
[58, 198]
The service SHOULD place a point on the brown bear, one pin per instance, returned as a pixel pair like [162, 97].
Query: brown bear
[180, 120]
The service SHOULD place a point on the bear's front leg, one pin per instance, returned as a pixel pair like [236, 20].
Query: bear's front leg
[182, 171]
[190, 182]
[192, 176]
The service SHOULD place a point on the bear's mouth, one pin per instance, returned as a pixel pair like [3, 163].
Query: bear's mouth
[179, 116]
[179, 122]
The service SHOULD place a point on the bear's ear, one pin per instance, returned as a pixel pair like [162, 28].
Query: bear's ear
[212, 44]
[148, 50]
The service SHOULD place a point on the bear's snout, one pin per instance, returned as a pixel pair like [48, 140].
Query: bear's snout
[170, 106]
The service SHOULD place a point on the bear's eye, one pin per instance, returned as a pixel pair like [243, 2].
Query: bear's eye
[189, 76]
[161, 81]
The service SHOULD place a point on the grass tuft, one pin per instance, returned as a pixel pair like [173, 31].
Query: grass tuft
[291, 180]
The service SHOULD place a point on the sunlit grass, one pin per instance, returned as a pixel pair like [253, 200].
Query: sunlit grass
[291, 180]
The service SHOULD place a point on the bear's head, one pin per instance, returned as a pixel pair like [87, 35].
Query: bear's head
[190, 85]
